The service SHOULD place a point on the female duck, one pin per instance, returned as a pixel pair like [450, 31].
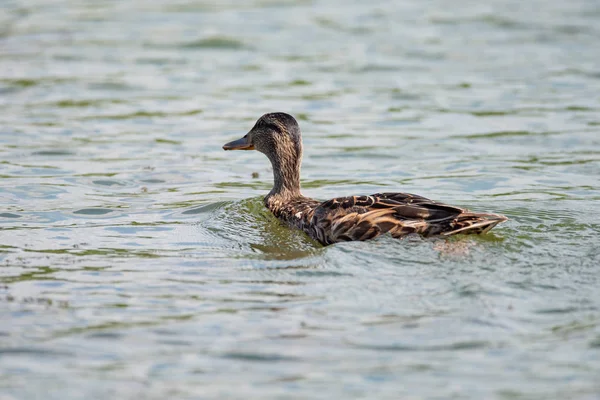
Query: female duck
[277, 135]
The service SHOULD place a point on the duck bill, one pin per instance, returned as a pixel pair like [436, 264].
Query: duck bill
[240, 144]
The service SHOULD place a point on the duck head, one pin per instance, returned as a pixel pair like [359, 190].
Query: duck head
[277, 135]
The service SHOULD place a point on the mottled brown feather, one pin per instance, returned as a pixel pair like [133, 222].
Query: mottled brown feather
[367, 217]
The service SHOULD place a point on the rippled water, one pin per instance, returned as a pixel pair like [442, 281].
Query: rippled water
[136, 259]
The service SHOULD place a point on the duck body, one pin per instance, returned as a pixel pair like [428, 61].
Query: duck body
[367, 217]
[277, 135]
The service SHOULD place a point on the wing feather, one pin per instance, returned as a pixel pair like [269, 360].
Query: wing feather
[366, 217]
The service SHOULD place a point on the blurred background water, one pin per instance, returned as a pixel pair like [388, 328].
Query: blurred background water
[137, 260]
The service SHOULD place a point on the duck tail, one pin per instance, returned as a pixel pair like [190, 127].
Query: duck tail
[474, 223]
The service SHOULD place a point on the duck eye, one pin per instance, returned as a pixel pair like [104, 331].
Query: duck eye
[272, 126]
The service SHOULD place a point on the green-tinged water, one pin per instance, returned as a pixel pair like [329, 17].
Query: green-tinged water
[137, 260]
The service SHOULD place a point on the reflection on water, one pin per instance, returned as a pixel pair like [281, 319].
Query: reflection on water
[136, 258]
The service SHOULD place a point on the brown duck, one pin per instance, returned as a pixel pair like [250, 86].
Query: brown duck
[277, 135]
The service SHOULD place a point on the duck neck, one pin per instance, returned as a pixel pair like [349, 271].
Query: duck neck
[286, 176]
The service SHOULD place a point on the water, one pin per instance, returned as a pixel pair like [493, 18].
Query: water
[137, 260]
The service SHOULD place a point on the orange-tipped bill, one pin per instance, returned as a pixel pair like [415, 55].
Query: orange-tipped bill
[240, 144]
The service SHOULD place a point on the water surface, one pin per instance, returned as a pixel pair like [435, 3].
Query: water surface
[137, 260]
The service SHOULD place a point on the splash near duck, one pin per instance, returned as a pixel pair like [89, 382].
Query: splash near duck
[277, 135]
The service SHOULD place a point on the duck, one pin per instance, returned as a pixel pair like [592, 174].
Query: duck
[351, 218]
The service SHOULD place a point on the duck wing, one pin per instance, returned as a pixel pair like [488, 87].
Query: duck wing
[366, 217]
